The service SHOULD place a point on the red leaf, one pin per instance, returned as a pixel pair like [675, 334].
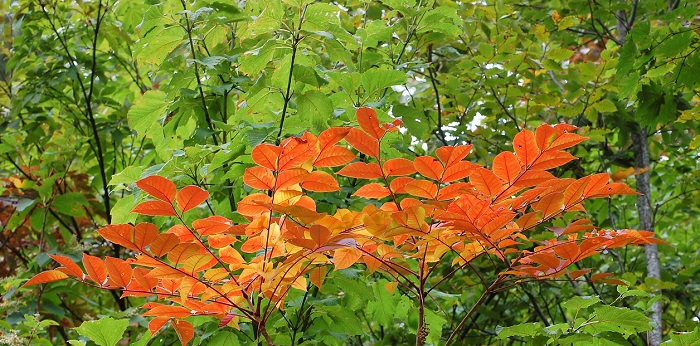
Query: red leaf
[595, 183]
[525, 147]
[190, 197]
[260, 178]
[361, 170]
[320, 182]
[155, 208]
[372, 190]
[363, 142]
[506, 166]
[158, 187]
[334, 156]
[211, 225]
[95, 268]
[545, 135]
[398, 167]
[367, 118]
[615, 189]
[46, 276]
[266, 155]
[119, 271]
[429, 167]
[72, 268]
[184, 330]
[451, 154]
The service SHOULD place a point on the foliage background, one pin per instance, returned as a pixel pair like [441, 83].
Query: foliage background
[97, 94]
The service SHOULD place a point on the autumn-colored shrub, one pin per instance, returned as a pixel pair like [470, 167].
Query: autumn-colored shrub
[435, 209]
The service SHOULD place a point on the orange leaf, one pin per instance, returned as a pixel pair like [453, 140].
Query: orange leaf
[119, 234]
[615, 189]
[184, 330]
[372, 190]
[334, 156]
[295, 153]
[429, 167]
[211, 225]
[119, 271]
[367, 118]
[253, 244]
[290, 177]
[363, 142]
[550, 204]
[155, 208]
[181, 252]
[46, 276]
[163, 243]
[317, 275]
[266, 155]
[250, 205]
[95, 268]
[422, 188]
[361, 170]
[331, 136]
[260, 178]
[320, 182]
[168, 311]
[550, 160]
[545, 135]
[398, 185]
[190, 197]
[345, 257]
[72, 268]
[506, 166]
[457, 171]
[144, 234]
[486, 181]
[398, 167]
[595, 183]
[449, 155]
[158, 187]
[218, 241]
[525, 147]
[567, 140]
[156, 324]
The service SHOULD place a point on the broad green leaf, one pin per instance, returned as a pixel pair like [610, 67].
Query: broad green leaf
[105, 331]
[71, 204]
[520, 330]
[618, 320]
[223, 338]
[578, 303]
[147, 111]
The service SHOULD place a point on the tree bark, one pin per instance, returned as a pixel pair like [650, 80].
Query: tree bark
[641, 154]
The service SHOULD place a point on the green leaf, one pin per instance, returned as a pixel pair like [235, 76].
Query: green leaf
[376, 79]
[105, 331]
[147, 111]
[413, 120]
[70, 204]
[685, 339]
[121, 211]
[314, 108]
[223, 338]
[578, 303]
[434, 323]
[128, 175]
[605, 106]
[618, 320]
[520, 330]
